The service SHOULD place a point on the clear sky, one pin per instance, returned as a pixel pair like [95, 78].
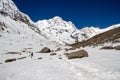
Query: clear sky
[98, 13]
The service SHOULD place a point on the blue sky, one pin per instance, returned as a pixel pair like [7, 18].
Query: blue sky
[98, 13]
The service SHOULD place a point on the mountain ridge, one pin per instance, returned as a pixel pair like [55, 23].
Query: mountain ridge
[56, 28]
[57, 24]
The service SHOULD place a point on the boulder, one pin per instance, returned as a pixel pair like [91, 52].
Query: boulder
[78, 54]
[52, 54]
[10, 60]
[107, 47]
[22, 58]
[59, 58]
[13, 53]
[40, 58]
[45, 50]
[117, 47]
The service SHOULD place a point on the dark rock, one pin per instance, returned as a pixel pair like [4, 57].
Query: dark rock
[10, 60]
[107, 47]
[117, 47]
[3, 13]
[66, 54]
[22, 58]
[45, 50]
[77, 54]
[40, 58]
[52, 54]
[59, 58]
[109, 36]
[13, 53]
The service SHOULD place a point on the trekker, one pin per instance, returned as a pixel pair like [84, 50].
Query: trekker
[31, 54]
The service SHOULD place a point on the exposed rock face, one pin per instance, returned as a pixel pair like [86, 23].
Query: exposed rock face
[117, 47]
[45, 50]
[111, 47]
[22, 58]
[77, 54]
[107, 47]
[8, 8]
[111, 36]
[13, 53]
[52, 54]
[10, 60]
[40, 58]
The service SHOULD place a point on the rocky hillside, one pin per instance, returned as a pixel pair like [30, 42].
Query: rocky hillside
[9, 11]
[14, 22]
[65, 32]
[111, 36]
[17, 30]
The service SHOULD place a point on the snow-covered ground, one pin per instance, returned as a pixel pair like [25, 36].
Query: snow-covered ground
[100, 65]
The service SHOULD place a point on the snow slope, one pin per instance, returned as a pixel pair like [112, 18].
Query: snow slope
[86, 33]
[57, 29]
[100, 65]
[7, 7]
[66, 32]
[89, 32]
[17, 31]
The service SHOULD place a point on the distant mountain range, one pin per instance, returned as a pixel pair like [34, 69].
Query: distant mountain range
[14, 22]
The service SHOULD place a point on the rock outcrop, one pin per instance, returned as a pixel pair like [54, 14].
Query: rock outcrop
[78, 54]
[45, 50]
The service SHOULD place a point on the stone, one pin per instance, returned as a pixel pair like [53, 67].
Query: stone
[117, 47]
[45, 50]
[77, 54]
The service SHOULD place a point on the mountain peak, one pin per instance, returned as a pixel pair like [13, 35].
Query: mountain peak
[57, 18]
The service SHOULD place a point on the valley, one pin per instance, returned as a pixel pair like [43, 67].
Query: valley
[68, 53]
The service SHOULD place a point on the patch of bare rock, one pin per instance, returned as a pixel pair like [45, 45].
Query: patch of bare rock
[77, 54]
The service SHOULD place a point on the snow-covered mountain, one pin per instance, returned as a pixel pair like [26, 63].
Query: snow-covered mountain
[57, 29]
[17, 30]
[89, 32]
[66, 32]
[86, 33]
[9, 10]
[13, 21]
[10, 18]
[110, 35]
